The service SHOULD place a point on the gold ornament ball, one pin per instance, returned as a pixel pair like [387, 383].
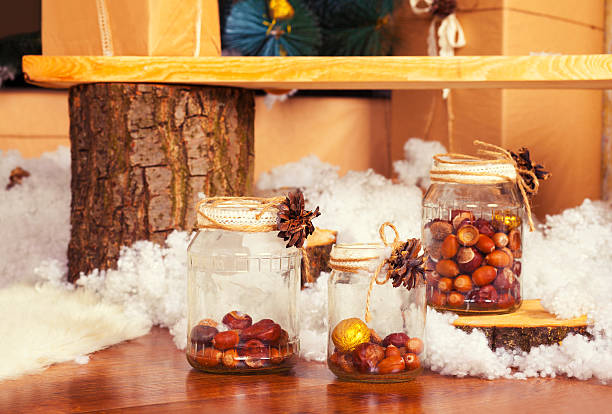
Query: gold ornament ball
[349, 333]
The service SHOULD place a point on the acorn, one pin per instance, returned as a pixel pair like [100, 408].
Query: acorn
[485, 244]
[445, 284]
[455, 299]
[450, 246]
[498, 258]
[237, 320]
[468, 259]
[484, 275]
[462, 283]
[514, 239]
[447, 268]
[415, 345]
[366, 356]
[440, 229]
[468, 235]
[411, 361]
[500, 240]
[484, 227]
[505, 279]
[390, 365]
[460, 216]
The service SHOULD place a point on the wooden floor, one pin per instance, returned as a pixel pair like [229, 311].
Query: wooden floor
[150, 375]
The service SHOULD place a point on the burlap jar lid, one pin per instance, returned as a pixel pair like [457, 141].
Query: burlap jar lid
[238, 213]
[457, 168]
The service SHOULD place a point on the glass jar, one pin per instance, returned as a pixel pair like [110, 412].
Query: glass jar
[472, 233]
[242, 291]
[390, 347]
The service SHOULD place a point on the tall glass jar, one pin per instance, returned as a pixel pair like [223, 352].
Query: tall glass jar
[390, 347]
[242, 291]
[472, 234]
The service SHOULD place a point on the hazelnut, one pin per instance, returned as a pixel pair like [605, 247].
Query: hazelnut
[202, 335]
[432, 277]
[447, 268]
[375, 338]
[455, 299]
[231, 358]
[505, 301]
[434, 250]
[450, 245]
[209, 357]
[437, 299]
[484, 275]
[440, 229]
[237, 320]
[509, 253]
[498, 258]
[367, 355]
[468, 235]
[461, 216]
[392, 350]
[516, 268]
[485, 244]
[486, 296]
[264, 330]
[411, 361]
[468, 259]
[226, 340]
[484, 227]
[445, 284]
[463, 283]
[275, 356]
[505, 279]
[208, 322]
[390, 365]
[397, 339]
[514, 239]
[414, 345]
[500, 240]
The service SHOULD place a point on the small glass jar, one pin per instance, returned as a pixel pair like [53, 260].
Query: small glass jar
[390, 347]
[242, 291]
[472, 234]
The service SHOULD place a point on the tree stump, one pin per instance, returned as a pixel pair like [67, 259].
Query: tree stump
[141, 153]
[531, 325]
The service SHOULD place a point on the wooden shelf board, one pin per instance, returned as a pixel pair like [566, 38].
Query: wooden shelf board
[397, 72]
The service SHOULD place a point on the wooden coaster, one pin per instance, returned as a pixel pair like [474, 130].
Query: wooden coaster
[531, 325]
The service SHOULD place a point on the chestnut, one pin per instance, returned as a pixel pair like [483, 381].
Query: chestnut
[460, 216]
[345, 362]
[516, 268]
[390, 365]
[500, 240]
[367, 355]
[414, 345]
[283, 339]
[486, 296]
[463, 283]
[411, 361]
[514, 239]
[509, 253]
[275, 356]
[226, 340]
[237, 320]
[468, 235]
[498, 258]
[209, 357]
[231, 358]
[432, 277]
[484, 275]
[445, 284]
[485, 244]
[468, 259]
[208, 322]
[392, 350]
[434, 250]
[254, 362]
[437, 298]
[505, 301]
[440, 229]
[447, 268]
[264, 330]
[505, 279]
[202, 335]
[450, 245]
[397, 339]
[484, 227]
[455, 299]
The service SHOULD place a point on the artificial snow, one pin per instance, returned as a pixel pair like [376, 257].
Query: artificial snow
[567, 262]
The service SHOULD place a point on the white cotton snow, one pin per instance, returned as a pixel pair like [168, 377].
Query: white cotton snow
[567, 262]
[414, 169]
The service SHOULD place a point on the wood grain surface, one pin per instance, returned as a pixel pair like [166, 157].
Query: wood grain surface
[394, 72]
[150, 375]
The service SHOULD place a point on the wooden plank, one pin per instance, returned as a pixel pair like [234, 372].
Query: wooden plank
[150, 375]
[396, 72]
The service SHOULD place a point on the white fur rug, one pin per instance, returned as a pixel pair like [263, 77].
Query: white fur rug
[43, 325]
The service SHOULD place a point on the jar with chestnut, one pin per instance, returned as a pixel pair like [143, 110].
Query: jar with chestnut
[243, 285]
[472, 234]
[388, 347]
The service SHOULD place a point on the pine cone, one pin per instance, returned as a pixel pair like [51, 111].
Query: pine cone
[443, 8]
[406, 266]
[523, 161]
[16, 177]
[294, 223]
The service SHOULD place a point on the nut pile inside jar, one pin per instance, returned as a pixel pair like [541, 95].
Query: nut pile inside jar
[238, 344]
[360, 351]
[474, 263]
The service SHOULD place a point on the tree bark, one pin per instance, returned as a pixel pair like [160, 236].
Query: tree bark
[141, 153]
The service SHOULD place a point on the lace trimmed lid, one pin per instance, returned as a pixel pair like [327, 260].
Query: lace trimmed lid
[456, 168]
[238, 213]
[357, 256]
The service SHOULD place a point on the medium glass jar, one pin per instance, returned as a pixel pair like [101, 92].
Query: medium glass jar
[390, 347]
[472, 234]
[242, 291]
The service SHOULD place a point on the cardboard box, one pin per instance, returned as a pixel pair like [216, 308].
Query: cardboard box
[131, 27]
[561, 127]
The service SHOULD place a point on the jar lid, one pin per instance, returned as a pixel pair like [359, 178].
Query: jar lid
[456, 168]
[357, 257]
[238, 213]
